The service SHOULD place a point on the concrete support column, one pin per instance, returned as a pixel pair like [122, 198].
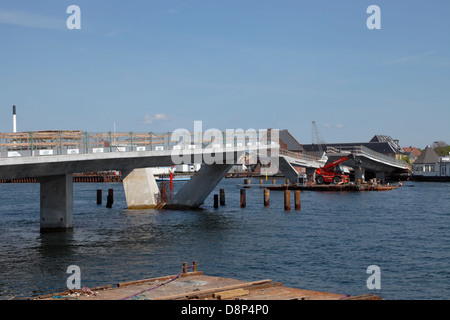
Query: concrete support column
[380, 175]
[359, 174]
[141, 189]
[196, 190]
[288, 170]
[56, 194]
[311, 174]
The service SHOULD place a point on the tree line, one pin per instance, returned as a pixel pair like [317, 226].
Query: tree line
[441, 148]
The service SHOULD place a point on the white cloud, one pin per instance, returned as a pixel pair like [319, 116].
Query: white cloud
[32, 20]
[328, 125]
[410, 58]
[157, 117]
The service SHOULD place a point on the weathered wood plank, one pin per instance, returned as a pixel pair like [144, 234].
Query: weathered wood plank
[222, 295]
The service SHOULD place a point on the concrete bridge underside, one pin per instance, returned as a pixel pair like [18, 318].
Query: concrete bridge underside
[372, 167]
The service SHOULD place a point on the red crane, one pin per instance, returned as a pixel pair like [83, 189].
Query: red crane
[333, 172]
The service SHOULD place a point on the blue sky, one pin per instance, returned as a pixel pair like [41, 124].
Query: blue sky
[161, 65]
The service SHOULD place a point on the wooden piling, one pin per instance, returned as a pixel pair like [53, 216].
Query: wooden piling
[298, 204]
[99, 196]
[287, 200]
[243, 200]
[222, 197]
[216, 201]
[110, 198]
[266, 197]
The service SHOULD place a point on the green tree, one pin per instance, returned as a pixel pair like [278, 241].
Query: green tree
[441, 148]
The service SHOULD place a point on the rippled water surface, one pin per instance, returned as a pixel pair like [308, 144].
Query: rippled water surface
[326, 246]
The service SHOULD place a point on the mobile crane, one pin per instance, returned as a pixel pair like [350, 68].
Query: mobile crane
[333, 172]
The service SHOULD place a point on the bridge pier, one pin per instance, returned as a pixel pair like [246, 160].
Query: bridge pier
[380, 175]
[141, 189]
[202, 183]
[56, 203]
[311, 174]
[359, 174]
[288, 170]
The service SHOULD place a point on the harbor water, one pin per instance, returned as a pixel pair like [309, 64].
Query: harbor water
[327, 246]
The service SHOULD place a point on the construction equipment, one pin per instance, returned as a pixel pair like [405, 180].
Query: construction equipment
[317, 140]
[333, 172]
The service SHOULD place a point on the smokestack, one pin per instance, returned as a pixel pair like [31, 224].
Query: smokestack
[14, 119]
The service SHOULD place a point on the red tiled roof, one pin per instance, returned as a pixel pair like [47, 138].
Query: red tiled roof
[414, 151]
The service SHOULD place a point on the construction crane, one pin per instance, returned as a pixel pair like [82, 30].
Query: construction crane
[316, 139]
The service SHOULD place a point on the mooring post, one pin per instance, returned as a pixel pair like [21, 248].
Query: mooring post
[195, 265]
[266, 197]
[298, 204]
[216, 201]
[222, 197]
[110, 198]
[184, 267]
[99, 196]
[287, 200]
[243, 198]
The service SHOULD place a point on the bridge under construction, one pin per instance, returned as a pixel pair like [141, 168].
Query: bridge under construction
[53, 157]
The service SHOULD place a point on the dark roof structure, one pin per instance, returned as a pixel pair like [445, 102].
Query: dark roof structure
[381, 138]
[379, 143]
[428, 156]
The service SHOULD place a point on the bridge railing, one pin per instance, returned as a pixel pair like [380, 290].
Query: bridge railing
[298, 155]
[369, 152]
[42, 143]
